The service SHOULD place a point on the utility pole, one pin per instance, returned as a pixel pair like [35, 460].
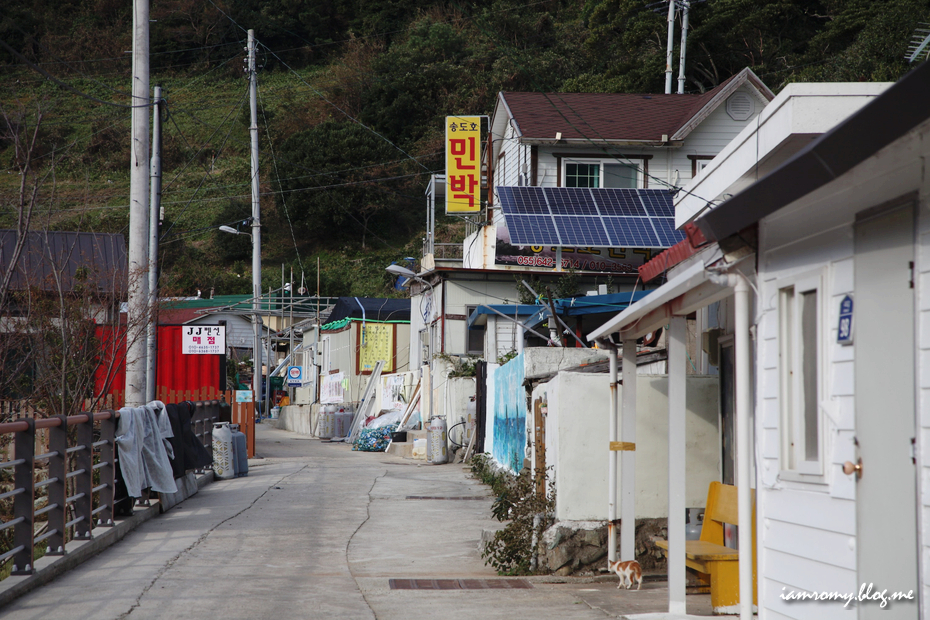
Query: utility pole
[685, 7]
[256, 231]
[668, 47]
[154, 213]
[138, 208]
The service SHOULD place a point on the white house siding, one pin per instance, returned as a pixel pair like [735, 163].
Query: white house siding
[462, 294]
[922, 285]
[708, 138]
[514, 155]
[790, 512]
[506, 337]
[343, 349]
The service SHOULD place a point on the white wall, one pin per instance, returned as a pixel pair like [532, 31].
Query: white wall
[807, 531]
[459, 295]
[577, 436]
[343, 349]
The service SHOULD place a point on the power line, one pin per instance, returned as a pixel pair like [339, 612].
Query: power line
[207, 172]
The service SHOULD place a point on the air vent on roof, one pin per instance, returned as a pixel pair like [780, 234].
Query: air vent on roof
[740, 106]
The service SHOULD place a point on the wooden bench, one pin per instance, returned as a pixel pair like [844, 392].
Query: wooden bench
[716, 564]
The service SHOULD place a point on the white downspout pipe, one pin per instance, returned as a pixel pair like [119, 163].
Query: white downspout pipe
[743, 405]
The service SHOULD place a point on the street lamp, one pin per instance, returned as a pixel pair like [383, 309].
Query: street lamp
[233, 231]
[398, 270]
[256, 297]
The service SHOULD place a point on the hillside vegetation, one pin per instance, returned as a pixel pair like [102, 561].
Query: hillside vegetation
[351, 101]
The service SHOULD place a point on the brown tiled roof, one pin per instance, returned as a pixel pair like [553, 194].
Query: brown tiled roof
[604, 116]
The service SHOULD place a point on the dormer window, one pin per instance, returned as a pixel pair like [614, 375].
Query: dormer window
[602, 173]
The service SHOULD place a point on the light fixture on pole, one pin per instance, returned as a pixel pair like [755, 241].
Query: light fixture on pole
[233, 231]
[398, 270]
[256, 297]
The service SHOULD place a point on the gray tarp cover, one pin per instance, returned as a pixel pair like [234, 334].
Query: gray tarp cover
[144, 449]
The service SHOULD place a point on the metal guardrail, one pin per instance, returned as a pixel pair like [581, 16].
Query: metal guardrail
[71, 464]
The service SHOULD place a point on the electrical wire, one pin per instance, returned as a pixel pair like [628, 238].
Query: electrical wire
[207, 173]
[68, 87]
[274, 160]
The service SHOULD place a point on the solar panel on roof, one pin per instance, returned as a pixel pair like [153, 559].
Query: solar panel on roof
[589, 217]
[539, 227]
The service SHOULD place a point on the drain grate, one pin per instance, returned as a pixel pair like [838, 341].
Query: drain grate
[445, 497]
[459, 584]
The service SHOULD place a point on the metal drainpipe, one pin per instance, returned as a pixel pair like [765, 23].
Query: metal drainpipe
[442, 319]
[743, 404]
[612, 463]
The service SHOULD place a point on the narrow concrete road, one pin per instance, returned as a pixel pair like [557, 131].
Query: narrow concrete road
[314, 531]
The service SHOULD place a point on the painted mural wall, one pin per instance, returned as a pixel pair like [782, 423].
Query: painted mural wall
[508, 446]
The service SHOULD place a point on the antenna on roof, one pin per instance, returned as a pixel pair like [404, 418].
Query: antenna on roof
[919, 42]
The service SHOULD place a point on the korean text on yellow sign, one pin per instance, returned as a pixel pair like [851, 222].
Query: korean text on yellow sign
[463, 164]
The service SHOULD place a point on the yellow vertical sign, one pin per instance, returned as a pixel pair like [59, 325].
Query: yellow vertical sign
[375, 342]
[463, 164]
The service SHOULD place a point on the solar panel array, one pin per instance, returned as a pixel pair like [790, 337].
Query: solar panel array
[590, 217]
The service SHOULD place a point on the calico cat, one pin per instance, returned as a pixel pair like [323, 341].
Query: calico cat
[628, 572]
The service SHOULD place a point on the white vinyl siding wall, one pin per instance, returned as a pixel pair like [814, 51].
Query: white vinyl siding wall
[804, 236]
[807, 528]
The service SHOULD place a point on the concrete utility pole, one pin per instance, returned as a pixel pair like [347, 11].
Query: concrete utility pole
[154, 213]
[685, 6]
[256, 230]
[138, 208]
[668, 47]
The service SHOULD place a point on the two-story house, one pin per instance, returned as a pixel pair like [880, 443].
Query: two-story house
[600, 142]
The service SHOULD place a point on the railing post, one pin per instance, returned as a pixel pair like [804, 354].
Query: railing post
[57, 486]
[24, 503]
[107, 469]
[83, 479]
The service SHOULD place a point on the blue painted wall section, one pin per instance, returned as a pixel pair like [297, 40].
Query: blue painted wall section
[509, 446]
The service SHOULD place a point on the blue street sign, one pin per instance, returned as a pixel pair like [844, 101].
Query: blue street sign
[844, 332]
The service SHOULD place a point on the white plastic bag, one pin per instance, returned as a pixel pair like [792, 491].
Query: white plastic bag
[386, 419]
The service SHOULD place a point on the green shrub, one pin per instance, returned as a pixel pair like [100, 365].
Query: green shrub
[522, 502]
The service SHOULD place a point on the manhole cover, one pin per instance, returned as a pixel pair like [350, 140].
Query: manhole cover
[459, 584]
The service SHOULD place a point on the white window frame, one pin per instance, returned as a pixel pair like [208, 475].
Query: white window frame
[636, 164]
[468, 350]
[325, 362]
[794, 463]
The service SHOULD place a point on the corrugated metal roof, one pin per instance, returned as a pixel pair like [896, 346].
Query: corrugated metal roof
[47, 258]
